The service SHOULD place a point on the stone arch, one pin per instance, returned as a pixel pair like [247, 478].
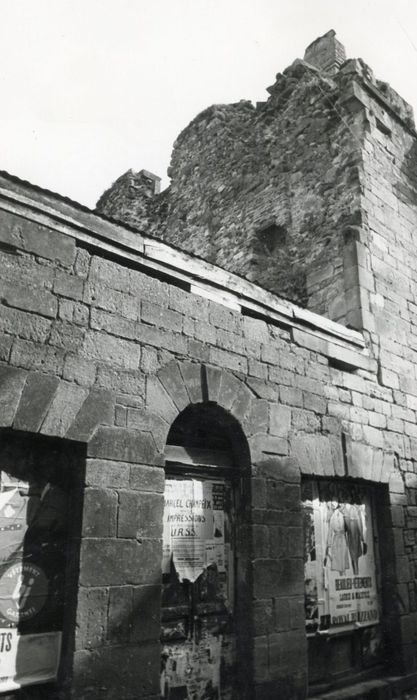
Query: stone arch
[178, 385]
[47, 405]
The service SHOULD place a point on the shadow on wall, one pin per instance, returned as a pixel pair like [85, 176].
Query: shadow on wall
[39, 562]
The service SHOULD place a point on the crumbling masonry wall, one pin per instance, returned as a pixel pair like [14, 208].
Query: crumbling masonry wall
[105, 354]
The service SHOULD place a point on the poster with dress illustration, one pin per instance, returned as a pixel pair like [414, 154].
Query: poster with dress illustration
[339, 557]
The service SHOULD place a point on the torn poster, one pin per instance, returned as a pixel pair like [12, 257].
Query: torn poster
[193, 536]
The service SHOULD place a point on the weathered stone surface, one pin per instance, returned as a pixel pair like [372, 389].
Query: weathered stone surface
[37, 239]
[123, 445]
[97, 409]
[99, 513]
[36, 398]
[65, 405]
[192, 374]
[318, 454]
[36, 300]
[137, 562]
[12, 382]
[140, 515]
[113, 672]
[173, 382]
[143, 419]
[91, 617]
[277, 577]
[213, 378]
[145, 478]
[107, 474]
[263, 445]
[158, 400]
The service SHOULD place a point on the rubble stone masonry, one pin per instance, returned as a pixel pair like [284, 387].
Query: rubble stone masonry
[107, 335]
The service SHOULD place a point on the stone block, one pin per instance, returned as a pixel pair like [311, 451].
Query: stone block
[24, 325]
[40, 240]
[146, 613]
[360, 458]
[282, 614]
[279, 419]
[258, 493]
[388, 465]
[91, 628]
[263, 616]
[120, 444]
[65, 405]
[157, 315]
[119, 623]
[192, 374]
[78, 370]
[262, 445]
[213, 380]
[318, 454]
[145, 478]
[402, 570]
[99, 513]
[158, 401]
[118, 562]
[142, 419]
[286, 651]
[275, 495]
[260, 541]
[228, 360]
[112, 323]
[70, 286]
[260, 654]
[36, 398]
[107, 474]
[282, 469]
[35, 300]
[5, 347]
[115, 351]
[173, 382]
[242, 404]
[97, 409]
[273, 577]
[257, 419]
[12, 382]
[115, 672]
[140, 515]
[291, 396]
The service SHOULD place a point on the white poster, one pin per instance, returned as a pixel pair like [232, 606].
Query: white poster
[193, 535]
[33, 531]
[340, 578]
[28, 659]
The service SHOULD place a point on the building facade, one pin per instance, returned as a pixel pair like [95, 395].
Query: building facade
[208, 490]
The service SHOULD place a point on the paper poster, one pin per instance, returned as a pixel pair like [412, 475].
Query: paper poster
[340, 579]
[193, 534]
[193, 669]
[28, 659]
[33, 530]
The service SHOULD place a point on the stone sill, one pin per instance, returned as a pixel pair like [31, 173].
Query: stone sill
[198, 276]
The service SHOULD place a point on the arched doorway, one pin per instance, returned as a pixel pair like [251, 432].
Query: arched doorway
[205, 558]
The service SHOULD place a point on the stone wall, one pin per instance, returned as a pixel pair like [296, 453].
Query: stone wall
[106, 351]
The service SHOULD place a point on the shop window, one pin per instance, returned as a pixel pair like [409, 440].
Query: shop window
[342, 582]
[36, 496]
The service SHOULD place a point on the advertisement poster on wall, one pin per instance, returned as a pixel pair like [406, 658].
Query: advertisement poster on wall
[33, 535]
[339, 557]
[194, 527]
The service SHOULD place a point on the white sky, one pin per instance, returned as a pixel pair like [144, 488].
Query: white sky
[91, 88]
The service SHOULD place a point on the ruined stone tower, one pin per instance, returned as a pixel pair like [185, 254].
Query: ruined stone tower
[290, 193]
